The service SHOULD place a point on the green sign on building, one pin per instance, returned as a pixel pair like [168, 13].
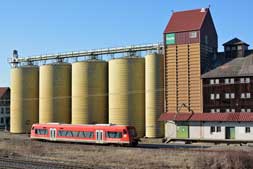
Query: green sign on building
[170, 39]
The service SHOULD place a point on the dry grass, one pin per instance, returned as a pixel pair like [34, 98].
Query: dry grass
[104, 157]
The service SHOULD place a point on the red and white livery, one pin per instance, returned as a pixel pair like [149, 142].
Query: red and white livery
[99, 133]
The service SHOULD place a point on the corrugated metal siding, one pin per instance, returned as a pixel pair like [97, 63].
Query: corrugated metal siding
[184, 38]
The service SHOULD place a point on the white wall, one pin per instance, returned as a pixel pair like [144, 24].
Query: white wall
[170, 129]
[199, 130]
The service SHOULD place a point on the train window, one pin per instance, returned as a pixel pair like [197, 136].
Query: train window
[62, 133]
[69, 134]
[75, 133]
[111, 134]
[41, 131]
[86, 134]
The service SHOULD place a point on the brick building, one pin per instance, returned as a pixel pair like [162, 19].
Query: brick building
[4, 107]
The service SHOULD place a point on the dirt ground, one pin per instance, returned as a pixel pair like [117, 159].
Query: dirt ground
[18, 151]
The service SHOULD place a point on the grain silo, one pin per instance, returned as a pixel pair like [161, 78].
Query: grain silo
[55, 93]
[154, 98]
[127, 92]
[24, 98]
[90, 92]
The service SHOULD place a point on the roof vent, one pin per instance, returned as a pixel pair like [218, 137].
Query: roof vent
[203, 10]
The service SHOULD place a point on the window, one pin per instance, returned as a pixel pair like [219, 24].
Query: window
[227, 48]
[226, 81]
[218, 110]
[243, 110]
[227, 110]
[217, 81]
[193, 34]
[82, 134]
[241, 80]
[206, 39]
[212, 129]
[212, 96]
[247, 129]
[233, 48]
[212, 110]
[218, 96]
[248, 110]
[232, 110]
[232, 81]
[112, 134]
[239, 47]
[227, 95]
[232, 95]
[2, 120]
[247, 80]
[242, 95]
[248, 95]
[218, 129]
[212, 81]
[41, 131]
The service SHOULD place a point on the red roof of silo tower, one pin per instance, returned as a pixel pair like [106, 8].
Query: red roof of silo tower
[186, 20]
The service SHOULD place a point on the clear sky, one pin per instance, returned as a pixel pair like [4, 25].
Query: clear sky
[51, 26]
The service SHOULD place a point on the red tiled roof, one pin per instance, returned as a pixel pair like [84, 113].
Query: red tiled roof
[186, 21]
[3, 90]
[225, 117]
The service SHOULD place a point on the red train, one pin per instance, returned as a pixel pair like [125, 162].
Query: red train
[99, 133]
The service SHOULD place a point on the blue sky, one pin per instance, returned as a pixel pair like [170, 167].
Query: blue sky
[52, 26]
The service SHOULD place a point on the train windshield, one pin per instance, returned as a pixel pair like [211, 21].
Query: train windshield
[132, 132]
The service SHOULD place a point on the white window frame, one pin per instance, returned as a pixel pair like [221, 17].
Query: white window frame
[247, 80]
[232, 81]
[217, 81]
[232, 95]
[243, 110]
[242, 95]
[242, 80]
[217, 97]
[227, 96]
[248, 110]
[248, 95]
[212, 96]
[211, 81]
[217, 110]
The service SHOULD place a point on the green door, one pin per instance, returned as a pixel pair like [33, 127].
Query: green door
[230, 132]
[182, 131]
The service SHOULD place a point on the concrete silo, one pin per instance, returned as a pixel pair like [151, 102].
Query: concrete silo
[154, 99]
[127, 92]
[24, 98]
[90, 92]
[55, 93]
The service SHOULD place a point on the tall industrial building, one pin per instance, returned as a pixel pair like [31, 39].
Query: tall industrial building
[190, 41]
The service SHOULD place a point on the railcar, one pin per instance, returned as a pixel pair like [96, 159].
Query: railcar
[98, 134]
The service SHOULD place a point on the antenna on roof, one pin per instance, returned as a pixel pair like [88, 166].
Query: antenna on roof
[209, 6]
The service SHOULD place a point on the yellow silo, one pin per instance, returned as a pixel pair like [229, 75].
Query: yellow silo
[90, 92]
[127, 93]
[24, 98]
[55, 93]
[154, 99]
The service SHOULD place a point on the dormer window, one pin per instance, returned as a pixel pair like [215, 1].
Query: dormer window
[239, 47]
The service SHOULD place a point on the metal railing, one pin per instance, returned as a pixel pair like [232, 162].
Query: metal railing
[15, 60]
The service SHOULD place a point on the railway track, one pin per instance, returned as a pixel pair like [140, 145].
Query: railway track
[14, 163]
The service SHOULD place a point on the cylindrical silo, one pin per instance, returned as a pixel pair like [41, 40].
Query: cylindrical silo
[24, 98]
[55, 93]
[90, 92]
[127, 93]
[154, 99]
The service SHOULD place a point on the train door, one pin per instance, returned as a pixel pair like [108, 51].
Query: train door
[99, 136]
[52, 134]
